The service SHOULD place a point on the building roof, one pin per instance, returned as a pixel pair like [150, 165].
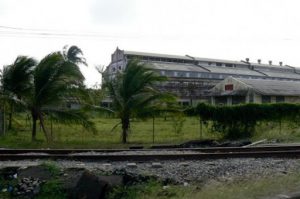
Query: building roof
[286, 75]
[242, 67]
[233, 71]
[272, 87]
[187, 57]
[126, 52]
[177, 67]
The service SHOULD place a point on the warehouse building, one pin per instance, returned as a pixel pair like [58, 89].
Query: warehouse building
[233, 91]
[191, 78]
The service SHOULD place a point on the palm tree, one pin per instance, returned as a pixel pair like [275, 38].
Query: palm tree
[16, 82]
[55, 77]
[133, 93]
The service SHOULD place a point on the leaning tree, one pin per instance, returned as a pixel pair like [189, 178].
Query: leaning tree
[55, 78]
[15, 83]
[43, 87]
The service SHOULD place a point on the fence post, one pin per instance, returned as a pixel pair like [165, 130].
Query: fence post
[2, 122]
[200, 123]
[153, 130]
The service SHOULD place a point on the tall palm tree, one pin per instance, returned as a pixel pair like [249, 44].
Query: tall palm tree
[133, 93]
[16, 82]
[55, 77]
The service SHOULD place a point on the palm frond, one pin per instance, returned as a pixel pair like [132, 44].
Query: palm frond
[16, 78]
[69, 117]
[74, 54]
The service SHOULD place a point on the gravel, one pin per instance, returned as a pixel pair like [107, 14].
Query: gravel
[188, 171]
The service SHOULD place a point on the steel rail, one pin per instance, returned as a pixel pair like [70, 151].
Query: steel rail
[203, 150]
[155, 157]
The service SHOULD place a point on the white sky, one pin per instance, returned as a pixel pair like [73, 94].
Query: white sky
[225, 29]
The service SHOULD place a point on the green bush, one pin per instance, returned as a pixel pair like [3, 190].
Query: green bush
[239, 121]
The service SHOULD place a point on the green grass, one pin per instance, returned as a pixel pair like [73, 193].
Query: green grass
[52, 167]
[76, 137]
[141, 134]
[52, 189]
[238, 189]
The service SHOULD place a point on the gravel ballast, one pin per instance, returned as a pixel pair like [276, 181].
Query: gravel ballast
[184, 171]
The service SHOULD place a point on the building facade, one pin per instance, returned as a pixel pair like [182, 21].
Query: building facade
[192, 78]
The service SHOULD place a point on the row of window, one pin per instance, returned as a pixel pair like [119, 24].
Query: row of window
[202, 75]
[267, 99]
[174, 60]
[221, 64]
[242, 99]
[160, 59]
[191, 74]
[212, 75]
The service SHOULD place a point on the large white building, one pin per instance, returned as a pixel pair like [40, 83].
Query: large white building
[191, 78]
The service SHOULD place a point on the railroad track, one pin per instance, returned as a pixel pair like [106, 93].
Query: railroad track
[153, 154]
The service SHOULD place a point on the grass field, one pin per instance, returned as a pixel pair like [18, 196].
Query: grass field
[238, 189]
[167, 131]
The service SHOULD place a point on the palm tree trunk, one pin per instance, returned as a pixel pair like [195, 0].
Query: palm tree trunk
[33, 137]
[34, 119]
[48, 138]
[125, 127]
[10, 117]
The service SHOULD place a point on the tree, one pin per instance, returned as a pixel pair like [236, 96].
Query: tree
[133, 93]
[16, 82]
[55, 78]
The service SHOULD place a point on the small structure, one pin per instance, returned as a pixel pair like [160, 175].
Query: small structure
[233, 91]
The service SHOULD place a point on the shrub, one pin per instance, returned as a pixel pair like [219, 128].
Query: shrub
[239, 121]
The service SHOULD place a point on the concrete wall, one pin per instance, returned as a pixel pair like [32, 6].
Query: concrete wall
[291, 99]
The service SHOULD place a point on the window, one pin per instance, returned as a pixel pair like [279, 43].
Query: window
[193, 74]
[251, 97]
[221, 100]
[229, 65]
[279, 99]
[169, 73]
[238, 99]
[215, 76]
[205, 75]
[218, 64]
[265, 99]
[228, 87]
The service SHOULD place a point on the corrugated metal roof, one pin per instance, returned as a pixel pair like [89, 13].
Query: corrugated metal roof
[273, 87]
[126, 52]
[287, 75]
[177, 67]
[233, 71]
[219, 60]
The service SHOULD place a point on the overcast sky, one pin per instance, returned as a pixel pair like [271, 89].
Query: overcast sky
[225, 29]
